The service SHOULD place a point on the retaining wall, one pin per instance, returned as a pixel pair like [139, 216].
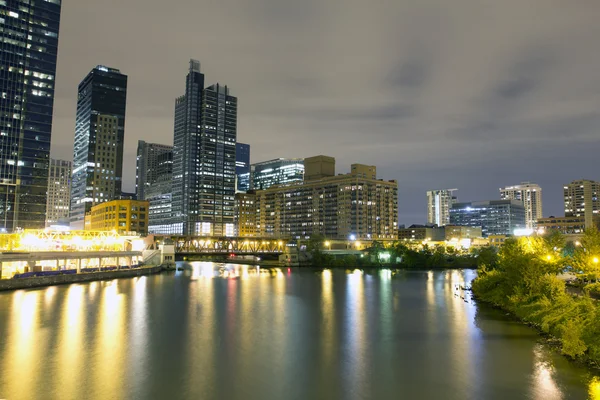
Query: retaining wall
[41, 281]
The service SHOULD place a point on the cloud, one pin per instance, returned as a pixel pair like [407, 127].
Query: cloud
[465, 93]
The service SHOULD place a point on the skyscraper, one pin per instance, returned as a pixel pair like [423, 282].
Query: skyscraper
[281, 171]
[530, 195]
[154, 175]
[242, 167]
[151, 163]
[581, 200]
[59, 192]
[28, 50]
[439, 203]
[99, 139]
[204, 158]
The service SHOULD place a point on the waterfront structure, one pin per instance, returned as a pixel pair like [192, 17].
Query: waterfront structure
[495, 217]
[462, 232]
[351, 206]
[280, 171]
[422, 233]
[565, 225]
[530, 195]
[245, 214]
[581, 200]
[99, 140]
[204, 158]
[439, 203]
[122, 216]
[152, 162]
[59, 192]
[242, 167]
[28, 51]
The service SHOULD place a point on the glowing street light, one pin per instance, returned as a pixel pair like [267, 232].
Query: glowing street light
[595, 260]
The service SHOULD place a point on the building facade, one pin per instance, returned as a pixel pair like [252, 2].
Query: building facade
[153, 161]
[242, 167]
[581, 200]
[28, 51]
[123, 216]
[565, 225]
[337, 207]
[530, 195]
[495, 217]
[281, 171]
[439, 203]
[99, 141]
[421, 233]
[204, 155]
[245, 214]
[462, 232]
[59, 192]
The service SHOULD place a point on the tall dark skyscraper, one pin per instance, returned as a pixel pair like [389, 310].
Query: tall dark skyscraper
[242, 167]
[28, 50]
[99, 137]
[153, 161]
[204, 158]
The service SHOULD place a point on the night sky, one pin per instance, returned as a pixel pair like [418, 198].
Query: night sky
[468, 94]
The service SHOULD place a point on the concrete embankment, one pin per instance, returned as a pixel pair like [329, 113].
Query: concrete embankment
[41, 281]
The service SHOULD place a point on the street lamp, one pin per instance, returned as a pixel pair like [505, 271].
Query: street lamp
[328, 245]
[595, 260]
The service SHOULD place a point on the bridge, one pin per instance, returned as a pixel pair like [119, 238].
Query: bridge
[227, 245]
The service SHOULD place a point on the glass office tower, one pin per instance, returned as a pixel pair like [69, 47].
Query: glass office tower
[28, 51]
[242, 167]
[99, 138]
[204, 158]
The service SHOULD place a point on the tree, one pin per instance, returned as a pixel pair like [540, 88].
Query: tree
[586, 257]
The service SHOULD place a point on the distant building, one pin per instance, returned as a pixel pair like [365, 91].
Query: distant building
[422, 232]
[28, 51]
[99, 141]
[565, 225]
[245, 214]
[352, 206]
[439, 203]
[120, 215]
[530, 195]
[59, 193]
[153, 160]
[205, 136]
[127, 196]
[495, 217]
[281, 171]
[462, 232]
[581, 200]
[242, 167]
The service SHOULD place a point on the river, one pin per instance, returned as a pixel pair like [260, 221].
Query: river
[242, 332]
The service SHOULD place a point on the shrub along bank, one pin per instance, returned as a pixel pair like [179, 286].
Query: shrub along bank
[523, 280]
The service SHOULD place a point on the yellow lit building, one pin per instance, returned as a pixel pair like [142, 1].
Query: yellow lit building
[120, 216]
[245, 214]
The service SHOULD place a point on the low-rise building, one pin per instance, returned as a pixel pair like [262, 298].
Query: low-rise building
[565, 225]
[462, 232]
[121, 216]
[422, 232]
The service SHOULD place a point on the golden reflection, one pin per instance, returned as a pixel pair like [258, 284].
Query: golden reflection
[50, 294]
[21, 366]
[430, 289]
[355, 328]
[71, 342]
[328, 336]
[139, 331]
[594, 390]
[110, 351]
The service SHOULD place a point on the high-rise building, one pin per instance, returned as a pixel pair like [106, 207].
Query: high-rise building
[204, 158]
[281, 171]
[59, 192]
[28, 51]
[242, 167]
[495, 217]
[99, 139]
[154, 175]
[581, 200]
[150, 165]
[350, 206]
[530, 195]
[439, 203]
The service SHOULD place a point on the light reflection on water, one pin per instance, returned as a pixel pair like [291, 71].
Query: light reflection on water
[245, 332]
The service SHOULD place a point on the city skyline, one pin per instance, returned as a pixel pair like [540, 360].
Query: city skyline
[509, 114]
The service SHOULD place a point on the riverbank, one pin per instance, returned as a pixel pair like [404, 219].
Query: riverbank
[42, 281]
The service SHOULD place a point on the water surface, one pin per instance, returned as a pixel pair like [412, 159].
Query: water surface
[241, 332]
